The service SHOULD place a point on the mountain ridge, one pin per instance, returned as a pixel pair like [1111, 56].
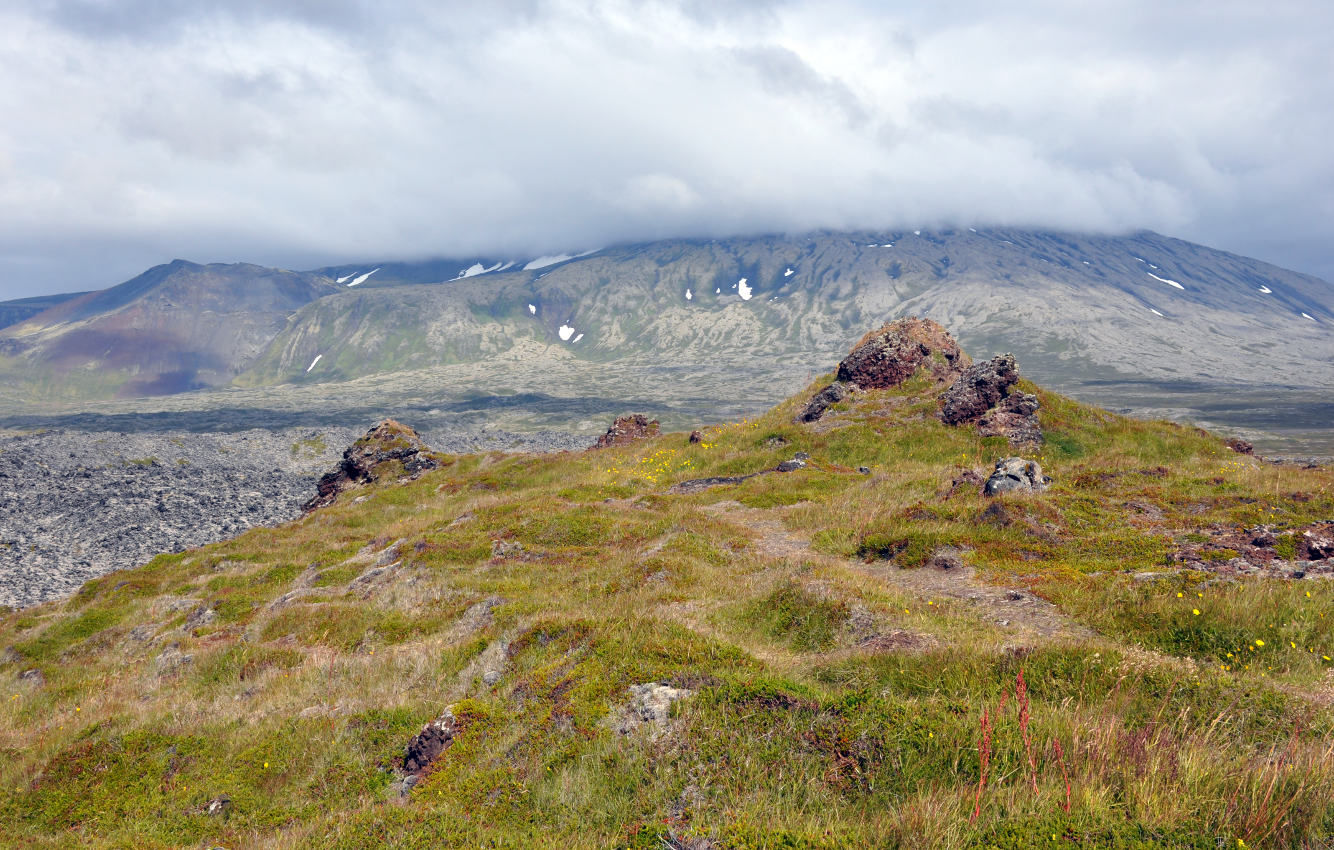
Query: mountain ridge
[741, 317]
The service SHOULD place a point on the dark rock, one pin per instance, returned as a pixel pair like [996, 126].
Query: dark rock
[696, 437]
[428, 744]
[32, 677]
[388, 448]
[699, 485]
[946, 558]
[978, 389]
[1263, 537]
[628, 429]
[791, 465]
[968, 479]
[864, 470]
[1240, 446]
[1016, 475]
[801, 456]
[996, 514]
[822, 401]
[1015, 419]
[890, 355]
[1316, 543]
[199, 617]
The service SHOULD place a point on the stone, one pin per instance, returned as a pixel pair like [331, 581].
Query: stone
[699, 485]
[1240, 446]
[628, 429]
[892, 354]
[32, 677]
[427, 745]
[171, 659]
[1016, 475]
[199, 617]
[966, 480]
[650, 706]
[1015, 419]
[978, 389]
[864, 470]
[946, 558]
[506, 548]
[791, 465]
[822, 401]
[696, 437]
[219, 807]
[1317, 543]
[389, 449]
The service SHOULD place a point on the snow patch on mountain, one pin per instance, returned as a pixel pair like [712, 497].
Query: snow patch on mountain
[1165, 280]
[362, 278]
[565, 333]
[313, 362]
[743, 289]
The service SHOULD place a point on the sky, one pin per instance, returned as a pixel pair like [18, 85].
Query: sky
[314, 132]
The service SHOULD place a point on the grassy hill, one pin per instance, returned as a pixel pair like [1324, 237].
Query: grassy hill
[829, 684]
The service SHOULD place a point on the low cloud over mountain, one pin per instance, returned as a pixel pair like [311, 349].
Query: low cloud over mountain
[221, 131]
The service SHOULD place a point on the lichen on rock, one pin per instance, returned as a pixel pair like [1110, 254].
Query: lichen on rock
[893, 353]
[628, 429]
[389, 448]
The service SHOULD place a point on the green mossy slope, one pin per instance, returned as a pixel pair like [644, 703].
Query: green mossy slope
[836, 696]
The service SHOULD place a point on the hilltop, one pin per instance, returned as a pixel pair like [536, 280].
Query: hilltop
[807, 629]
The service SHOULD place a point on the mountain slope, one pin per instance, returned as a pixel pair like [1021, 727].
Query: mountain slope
[574, 650]
[724, 328]
[1139, 307]
[177, 327]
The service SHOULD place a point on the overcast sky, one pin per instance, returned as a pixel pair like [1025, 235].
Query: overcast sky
[318, 131]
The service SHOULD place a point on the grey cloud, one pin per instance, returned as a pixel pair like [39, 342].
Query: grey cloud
[304, 133]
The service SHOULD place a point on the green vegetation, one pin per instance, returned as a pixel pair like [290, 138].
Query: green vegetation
[838, 687]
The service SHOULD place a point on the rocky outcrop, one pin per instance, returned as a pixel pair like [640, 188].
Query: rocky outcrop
[390, 448]
[984, 395]
[1016, 475]
[627, 429]
[1296, 553]
[978, 389]
[892, 354]
[1015, 418]
[822, 401]
[428, 744]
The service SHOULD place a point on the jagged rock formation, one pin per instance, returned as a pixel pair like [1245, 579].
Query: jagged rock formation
[984, 395]
[389, 448]
[888, 356]
[1015, 474]
[627, 429]
[821, 401]
[978, 389]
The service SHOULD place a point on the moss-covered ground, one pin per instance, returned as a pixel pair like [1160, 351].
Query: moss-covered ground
[832, 705]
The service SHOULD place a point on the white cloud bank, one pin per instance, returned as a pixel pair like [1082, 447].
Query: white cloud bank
[143, 130]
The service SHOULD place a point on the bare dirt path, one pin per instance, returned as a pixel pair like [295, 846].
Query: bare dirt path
[1013, 609]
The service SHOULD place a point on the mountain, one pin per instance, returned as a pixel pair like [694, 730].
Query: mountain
[175, 328]
[698, 327]
[22, 309]
[776, 635]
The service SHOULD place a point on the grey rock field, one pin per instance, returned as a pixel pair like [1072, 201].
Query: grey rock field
[79, 504]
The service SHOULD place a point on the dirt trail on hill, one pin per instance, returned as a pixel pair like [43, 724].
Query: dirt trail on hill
[1013, 609]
